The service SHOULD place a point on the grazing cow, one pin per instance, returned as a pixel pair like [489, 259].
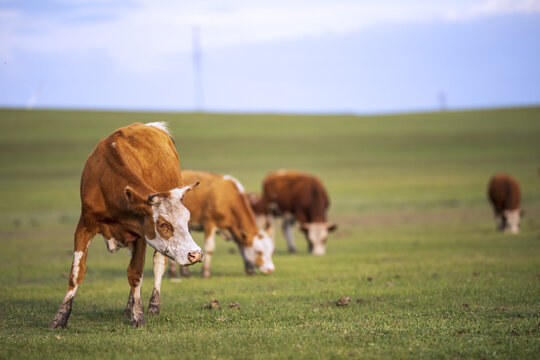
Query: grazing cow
[221, 205]
[131, 193]
[505, 195]
[298, 196]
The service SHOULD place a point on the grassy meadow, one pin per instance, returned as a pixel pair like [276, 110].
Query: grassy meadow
[416, 249]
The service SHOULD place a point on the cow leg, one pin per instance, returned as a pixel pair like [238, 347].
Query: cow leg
[135, 276]
[129, 305]
[184, 271]
[209, 247]
[499, 221]
[160, 263]
[173, 269]
[287, 226]
[76, 276]
[302, 219]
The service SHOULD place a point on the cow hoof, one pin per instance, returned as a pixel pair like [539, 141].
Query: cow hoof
[292, 251]
[55, 326]
[206, 274]
[138, 323]
[153, 309]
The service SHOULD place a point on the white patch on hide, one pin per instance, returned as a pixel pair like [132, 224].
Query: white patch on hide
[112, 244]
[159, 270]
[236, 182]
[161, 125]
[262, 247]
[512, 220]
[317, 234]
[77, 255]
[137, 294]
[71, 293]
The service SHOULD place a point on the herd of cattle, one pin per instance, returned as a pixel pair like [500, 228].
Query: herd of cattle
[133, 193]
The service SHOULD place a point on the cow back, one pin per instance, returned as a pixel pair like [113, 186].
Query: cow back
[504, 192]
[137, 155]
[295, 192]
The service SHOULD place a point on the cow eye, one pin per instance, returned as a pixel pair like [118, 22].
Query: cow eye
[164, 226]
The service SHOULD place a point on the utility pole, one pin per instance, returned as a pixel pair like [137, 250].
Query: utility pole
[197, 68]
[442, 101]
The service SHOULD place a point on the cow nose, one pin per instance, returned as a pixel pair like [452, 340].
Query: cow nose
[269, 271]
[194, 256]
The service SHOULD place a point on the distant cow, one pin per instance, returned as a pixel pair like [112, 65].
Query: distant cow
[505, 195]
[221, 205]
[131, 193]
[298, 196]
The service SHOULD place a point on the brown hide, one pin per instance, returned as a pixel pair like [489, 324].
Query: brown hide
[129, 156]
[219, 203]
[256, 203]
[504, 193]
[296, 193]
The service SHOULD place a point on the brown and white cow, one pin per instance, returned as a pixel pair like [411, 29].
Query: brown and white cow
[294, 195]
[220, 205]
[131, 193]
[504, 194]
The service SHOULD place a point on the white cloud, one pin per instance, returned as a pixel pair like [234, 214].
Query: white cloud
[487, 8]
[140, 36]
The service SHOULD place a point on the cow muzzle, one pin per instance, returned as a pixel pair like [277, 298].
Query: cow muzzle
[318, 251]
[194, 257]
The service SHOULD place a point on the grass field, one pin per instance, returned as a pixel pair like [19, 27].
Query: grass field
[416, 249]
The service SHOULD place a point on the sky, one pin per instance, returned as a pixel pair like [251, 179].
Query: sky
[283, 56]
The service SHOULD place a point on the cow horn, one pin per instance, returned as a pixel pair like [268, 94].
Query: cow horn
[151, 198]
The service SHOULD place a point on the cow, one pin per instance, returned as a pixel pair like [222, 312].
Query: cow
[220, 205]
[131, 193]
[297, 196]
[504, 193]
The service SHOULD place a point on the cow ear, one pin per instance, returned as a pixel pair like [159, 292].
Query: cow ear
[332, 227]
[304, 226]
[522, 213]
[136, 202]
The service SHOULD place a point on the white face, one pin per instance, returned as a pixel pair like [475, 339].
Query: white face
[317, 233]
[512, 220]
[260, 253]
[172, 237]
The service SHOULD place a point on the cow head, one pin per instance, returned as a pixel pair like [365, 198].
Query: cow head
[259, 254]
[511, 220]
[316, 235]
[165, 223]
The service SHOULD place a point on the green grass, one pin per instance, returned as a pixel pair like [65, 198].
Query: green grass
[416, 241]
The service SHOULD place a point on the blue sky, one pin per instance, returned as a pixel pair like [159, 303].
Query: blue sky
[270, 56]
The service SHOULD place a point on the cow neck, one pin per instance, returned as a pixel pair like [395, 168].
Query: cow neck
[244, 222]
[319, 203]
[119, 164]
